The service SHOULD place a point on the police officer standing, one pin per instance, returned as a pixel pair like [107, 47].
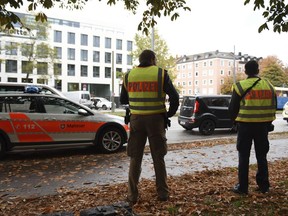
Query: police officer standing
[253, 107]
[144, 89]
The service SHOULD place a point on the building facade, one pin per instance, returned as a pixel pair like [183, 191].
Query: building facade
[87, 57]
[204, 73]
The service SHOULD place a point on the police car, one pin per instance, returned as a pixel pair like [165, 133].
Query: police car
[30, 120]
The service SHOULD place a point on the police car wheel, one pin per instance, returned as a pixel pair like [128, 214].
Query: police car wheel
[2, 147]
[110, 140]
[207, 127]
[104, 107]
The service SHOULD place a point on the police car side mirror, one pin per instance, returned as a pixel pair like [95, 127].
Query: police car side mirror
[83, 112]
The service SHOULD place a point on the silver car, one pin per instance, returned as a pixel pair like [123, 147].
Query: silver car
[44, 121]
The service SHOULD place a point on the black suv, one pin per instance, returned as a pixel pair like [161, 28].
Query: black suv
[206, 112]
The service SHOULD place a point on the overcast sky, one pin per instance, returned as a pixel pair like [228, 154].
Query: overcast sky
[211, 25]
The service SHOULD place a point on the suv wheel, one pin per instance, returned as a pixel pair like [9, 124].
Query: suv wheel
[207, 127]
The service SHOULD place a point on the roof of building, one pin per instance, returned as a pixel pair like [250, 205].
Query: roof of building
[215, 54]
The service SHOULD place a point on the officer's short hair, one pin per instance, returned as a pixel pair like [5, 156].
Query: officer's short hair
[251, 67]
[146, 56]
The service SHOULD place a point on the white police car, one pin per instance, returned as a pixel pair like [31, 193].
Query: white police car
[32, 120]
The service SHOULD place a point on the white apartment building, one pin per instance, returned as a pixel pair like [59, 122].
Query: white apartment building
[204, 73]
[88, 56]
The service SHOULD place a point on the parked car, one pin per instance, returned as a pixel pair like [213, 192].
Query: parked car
[205, 112]
[35, 121]
[81, 97]
[7, 87]
[285, 112]
[102, 103]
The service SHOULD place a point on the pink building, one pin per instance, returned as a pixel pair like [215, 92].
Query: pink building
[204, 73]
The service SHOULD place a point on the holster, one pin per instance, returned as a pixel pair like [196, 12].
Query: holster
[127, 116]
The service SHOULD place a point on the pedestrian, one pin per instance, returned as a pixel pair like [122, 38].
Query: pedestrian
[145, 88]
[253, 107]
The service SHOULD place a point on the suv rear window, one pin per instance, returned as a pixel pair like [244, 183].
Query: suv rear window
[188, 101]
[216, 102]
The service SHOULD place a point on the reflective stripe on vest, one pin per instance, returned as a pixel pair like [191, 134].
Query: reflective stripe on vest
[145, 90]
[259, 104]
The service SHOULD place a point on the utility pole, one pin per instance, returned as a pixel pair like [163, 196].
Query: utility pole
[152, 37]
[234, 67]
[112, 74]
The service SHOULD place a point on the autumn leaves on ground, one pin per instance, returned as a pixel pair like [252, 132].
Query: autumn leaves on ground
[200, 193]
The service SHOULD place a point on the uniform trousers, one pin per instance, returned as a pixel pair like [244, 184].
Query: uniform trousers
[247, 133]
[141, 128]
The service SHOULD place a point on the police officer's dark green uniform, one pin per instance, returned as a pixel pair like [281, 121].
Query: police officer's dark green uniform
[145, 88]
[253, 113]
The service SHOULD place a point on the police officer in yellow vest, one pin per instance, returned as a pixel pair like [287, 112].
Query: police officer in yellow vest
[254, 110]
[144, 89]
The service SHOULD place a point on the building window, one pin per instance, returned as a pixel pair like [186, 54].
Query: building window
[221, 72]
[107, 57]
[119, 73]
[84, 55]
[57, 36]
[96, 41]
[107, 72]
[71, 70]
[57, 69]
[118, 44]
[11, 48]
[196, 73]
[12, 79]
[129, 59]
[24, 80]
[222, 81]
[108, 43]
[71, 38]
[211, 63]
[58, 51]
[204, 82]
[210, 82]
[96, 71]
[11, 66]
[129, 45]
[27, 67]
[84, 40]
[26, 49]
[42, 68]
[84, 70]
[196, 65]
[183, 83]
[71, 54]
[118, 58]
[96, 56]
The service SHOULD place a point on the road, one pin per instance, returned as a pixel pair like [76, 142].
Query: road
[177, 134]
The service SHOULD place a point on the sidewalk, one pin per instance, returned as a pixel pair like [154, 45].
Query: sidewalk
[207, 158]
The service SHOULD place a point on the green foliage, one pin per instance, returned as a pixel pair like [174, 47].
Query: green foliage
[164, 59]
[226, 88]
[33, 50]
[275, 12]
[272, 68]
[274, 74]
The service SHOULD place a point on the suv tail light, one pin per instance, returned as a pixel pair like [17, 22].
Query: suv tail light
[196, 107]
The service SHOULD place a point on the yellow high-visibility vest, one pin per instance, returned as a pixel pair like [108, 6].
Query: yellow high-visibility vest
[145, 90]
[259, 104]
